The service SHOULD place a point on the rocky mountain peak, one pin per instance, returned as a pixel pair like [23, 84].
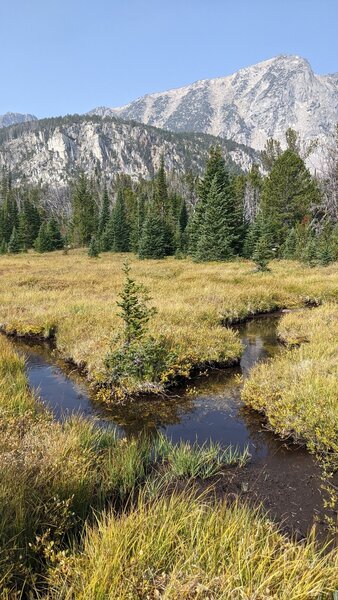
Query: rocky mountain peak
[249, 106]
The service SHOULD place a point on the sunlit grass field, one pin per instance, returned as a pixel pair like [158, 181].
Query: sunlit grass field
[76, 296]
[182, 548]
[298, 389]
[58, 542]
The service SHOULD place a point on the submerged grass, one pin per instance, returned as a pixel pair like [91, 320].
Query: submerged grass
[298, 389]
[182, 548]
[185, 460]
[76, 298]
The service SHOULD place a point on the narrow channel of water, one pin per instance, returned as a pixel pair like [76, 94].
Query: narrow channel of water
[284, 477]
[212, 411]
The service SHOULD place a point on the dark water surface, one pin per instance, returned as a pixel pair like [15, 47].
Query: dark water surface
[282, 476]
[211, 410]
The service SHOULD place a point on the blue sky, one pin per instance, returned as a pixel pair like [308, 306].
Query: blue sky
[66, 56]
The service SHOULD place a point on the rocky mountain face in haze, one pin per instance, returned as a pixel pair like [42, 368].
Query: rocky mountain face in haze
[51, 151]
[250, 106]
[11, 118]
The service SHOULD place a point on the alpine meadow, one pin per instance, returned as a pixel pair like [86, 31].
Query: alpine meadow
[169, 317]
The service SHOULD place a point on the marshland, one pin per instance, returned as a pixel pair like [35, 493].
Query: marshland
[168, 386]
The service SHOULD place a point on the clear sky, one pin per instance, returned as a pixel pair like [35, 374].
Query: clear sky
[67, 56]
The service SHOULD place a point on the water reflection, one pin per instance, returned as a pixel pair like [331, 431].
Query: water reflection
[214, 411]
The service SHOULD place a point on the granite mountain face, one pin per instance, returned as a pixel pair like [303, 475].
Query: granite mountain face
[51, 151]
[250, 106]
[11, 118]
[242, 110]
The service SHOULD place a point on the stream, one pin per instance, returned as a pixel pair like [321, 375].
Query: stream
[281, 475]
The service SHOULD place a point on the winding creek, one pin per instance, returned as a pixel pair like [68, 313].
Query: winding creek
[282, 476]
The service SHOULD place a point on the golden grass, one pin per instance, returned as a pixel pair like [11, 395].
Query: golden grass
[51, 477]
[77, 296]
[298, 389]
[182, 548]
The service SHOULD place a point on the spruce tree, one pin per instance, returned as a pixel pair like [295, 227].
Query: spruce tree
[23, 231]
[93, 250]
[290, 245]
[289, 192]
[43, 242]
[84, 211]
[134, 308]
[14, 245]
[215, 171]
[161, 190]
[262, 253]
[215, 236]
[104, 213]
[120, 225]
[309, 254]
[152, 242]
[164, 207]
[54, 234]
[137, 222]
[181, 233]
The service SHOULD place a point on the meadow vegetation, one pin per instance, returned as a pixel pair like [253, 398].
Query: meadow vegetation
[297, 389]
[53, 476]
[74, 298]
[182, 548]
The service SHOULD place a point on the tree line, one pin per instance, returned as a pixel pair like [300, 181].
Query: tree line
[282, 212]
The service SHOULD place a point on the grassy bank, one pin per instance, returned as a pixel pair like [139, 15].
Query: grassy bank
[53, 476]
[297, 390]
[76, 296]
[182, 548]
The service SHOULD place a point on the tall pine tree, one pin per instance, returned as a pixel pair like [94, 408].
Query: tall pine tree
[215, 241]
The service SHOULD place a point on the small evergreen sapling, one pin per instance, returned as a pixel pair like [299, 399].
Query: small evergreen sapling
[134, 309]
[262, 254]
[140, 358]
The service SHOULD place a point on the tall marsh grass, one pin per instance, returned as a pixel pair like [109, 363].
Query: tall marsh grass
[77, 298]
[55, 476]
[298, 389]
[183, 548]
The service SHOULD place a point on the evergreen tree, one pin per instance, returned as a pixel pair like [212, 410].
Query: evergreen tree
[290, 245]
[310, 252]
[3, 247]
[104, 213]
[31, 221]
[14, 246]
[134, 309]
[93, 250]
[325, 246]
[252, 194]
[215, 171]
[137, 222]
[120, 225]
[152, 242]
[43, 242]
[288, 194]
[164, 208]
[262, 253]
[84, 212]
[181, 242]
[9, 217]
[23, 231]
[54, 234]
[161, 190]
[215, 238]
